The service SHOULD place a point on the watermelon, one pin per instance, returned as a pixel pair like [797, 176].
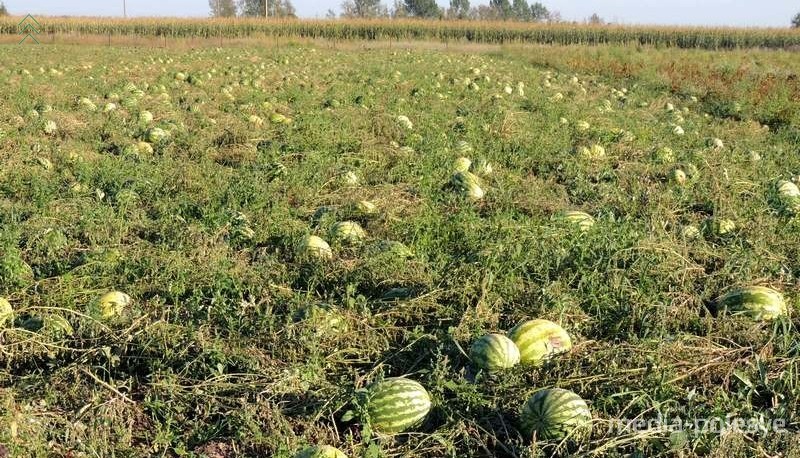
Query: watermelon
[348, 232]
[721, 227]
[555, 414]
[463, 147]
[678, 176]
[468, 184]
[397, 404]
[494, 352]
[156, 135]
[364, 209]
[538, 340]
[110, 305]
[583, 220]
[462, 164]
[321, 451]
[396, 249]
[595, 152]
[664, 155]
[756, 302]
[788, 196]
[690, 232]
[314, 247]
[6, 312]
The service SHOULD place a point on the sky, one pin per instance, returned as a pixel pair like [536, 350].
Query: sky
[747, 13]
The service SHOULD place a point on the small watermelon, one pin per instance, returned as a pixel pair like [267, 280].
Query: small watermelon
[788, 195]
[6, 312]
[321, 451]
[348, 232]
[582, 220]
[462, 164]
[110, 305]
[721, 227]
[756, 302]
[555, 414]
[397, 404]
[468, 184]
[538, 340]
[494, 352]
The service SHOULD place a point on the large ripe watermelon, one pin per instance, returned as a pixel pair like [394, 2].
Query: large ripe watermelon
[321, 451]
[556, 413]
[314, 247]
[397, 404]
[756, 302]
[494, 352]
[538, 340]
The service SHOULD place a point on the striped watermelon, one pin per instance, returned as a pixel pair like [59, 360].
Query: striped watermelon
[397, 404]
[462, 164]
[468, 184]
[494, 352]
[583, 220]
[556, 413]
[538, 340]
[756, 302]
[721, 227]
[321, 451]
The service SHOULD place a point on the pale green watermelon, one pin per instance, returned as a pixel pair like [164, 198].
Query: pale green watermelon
[397, 404]
[756, 302]
[314, 247]
[321, 451]
[582, 220]
[494, 352]
[6, 312]
[538, 340]
[110, 305]
[348, 232]
[555, 414]
[462, 164]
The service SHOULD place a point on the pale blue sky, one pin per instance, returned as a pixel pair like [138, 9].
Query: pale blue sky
[777, 13]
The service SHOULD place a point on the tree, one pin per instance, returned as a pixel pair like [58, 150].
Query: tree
[363, 8]
[3, 9]
[796, 21]
[539, 12]
[594, 19]
[277, 8]
[459, 9]
[222, 8]
[521, 11]
[423, 8]
[502, 8]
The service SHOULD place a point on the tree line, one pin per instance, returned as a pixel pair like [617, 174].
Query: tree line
[518, 10]
[514, 10]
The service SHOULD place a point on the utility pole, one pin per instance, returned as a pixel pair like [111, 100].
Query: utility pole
[266, 8]
[125, 9]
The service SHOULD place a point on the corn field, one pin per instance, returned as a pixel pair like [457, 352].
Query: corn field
[465, 31]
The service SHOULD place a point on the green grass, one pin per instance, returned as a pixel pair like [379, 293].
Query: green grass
[237, 346]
